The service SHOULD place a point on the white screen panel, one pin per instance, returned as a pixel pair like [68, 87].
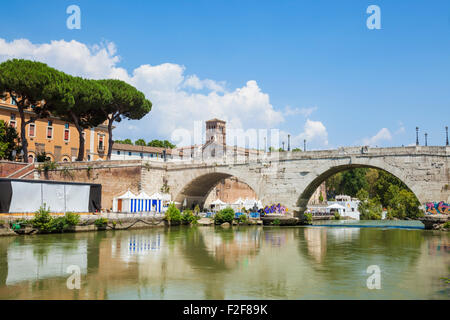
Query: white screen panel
[77, 198]
[26, 197]
[53, 196]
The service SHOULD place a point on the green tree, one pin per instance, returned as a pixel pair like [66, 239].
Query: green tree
[161, 144]
[79, 101]
[382, 184]
[369, 209]
[126, 141]
[126, 102]
[296, 150]
[353, 181]
[140, 142]
[402, 203]
[9, 141]
[24, 81]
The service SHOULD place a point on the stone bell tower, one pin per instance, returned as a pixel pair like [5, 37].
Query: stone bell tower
[216, 131]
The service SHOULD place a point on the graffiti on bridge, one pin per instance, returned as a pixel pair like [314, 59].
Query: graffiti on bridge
[437, 208]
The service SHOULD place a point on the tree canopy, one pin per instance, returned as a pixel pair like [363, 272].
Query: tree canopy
[24, 81]
[126, 102]
[77, 100]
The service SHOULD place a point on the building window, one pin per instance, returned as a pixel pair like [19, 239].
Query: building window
[50, 129]
[101, 145]
[129, 153]
[32, 130]
[13, 101]
[142, 155]
[66, 132]
[118, 152]
[12, 121]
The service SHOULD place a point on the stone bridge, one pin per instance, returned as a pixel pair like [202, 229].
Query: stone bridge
[290, 178]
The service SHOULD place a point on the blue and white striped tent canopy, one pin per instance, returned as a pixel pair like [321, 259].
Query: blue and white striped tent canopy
[139, 203]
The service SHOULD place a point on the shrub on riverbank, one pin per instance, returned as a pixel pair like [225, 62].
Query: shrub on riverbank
[188, 217]
[243, 219]
[45, 223]
[308, 218]
[101, 222]
[224, 215]
[173, 214]
[337, 216]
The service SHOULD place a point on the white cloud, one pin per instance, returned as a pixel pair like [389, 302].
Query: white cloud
[314, 132]
[306, 112]
[383, 135]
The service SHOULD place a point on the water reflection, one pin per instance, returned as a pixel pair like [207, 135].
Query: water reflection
[237, 263]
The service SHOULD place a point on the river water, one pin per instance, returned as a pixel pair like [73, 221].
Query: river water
[317, 262]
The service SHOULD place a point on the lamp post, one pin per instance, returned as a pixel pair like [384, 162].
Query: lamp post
[304, 145]
[417, 136]
[426, 140]
[446, 135]
[289, 142]
[283, 145]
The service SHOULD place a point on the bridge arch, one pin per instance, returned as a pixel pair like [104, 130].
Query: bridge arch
[197, 189]
[327, 171]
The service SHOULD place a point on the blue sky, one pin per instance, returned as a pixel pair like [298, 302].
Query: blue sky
[315, 58]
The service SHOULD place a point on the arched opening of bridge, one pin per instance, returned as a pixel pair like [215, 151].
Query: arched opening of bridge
[382, 194]
[207, 188]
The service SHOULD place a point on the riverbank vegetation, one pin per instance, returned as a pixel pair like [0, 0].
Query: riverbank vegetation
[377, 190]
[224, 215]
[45, 223]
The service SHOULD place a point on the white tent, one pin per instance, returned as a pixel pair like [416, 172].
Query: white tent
[123, 202]
[157, 196]
[218, 204]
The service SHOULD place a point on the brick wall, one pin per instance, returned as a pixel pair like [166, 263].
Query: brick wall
[8, 167]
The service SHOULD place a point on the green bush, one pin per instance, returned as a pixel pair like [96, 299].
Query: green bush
[276, 222]
[224, 215]
[2, 223]
[45, 223]
[101, 222]
[43, 220]
[72, 218]
[308, 217]
[243, 219]
[337, 216]
[188, 217]
[446, 225]
[173, 213]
